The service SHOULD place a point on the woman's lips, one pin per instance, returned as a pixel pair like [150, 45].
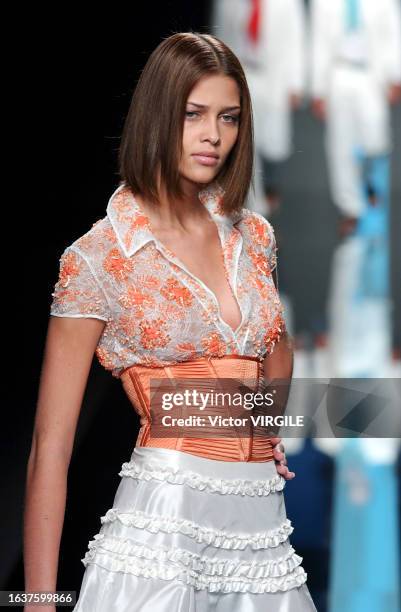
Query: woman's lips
[206, 160]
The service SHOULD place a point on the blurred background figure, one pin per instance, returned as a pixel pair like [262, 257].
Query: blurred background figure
[313, 464]
[268, 36]
[356, 73]
[355, 77]
[365, 560]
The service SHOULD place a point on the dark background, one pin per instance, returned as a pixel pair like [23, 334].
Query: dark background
[78, 76]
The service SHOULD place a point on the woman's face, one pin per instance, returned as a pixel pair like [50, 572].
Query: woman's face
[211, 126]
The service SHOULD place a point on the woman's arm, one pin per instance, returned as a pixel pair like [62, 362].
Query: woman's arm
[68, 355]
[279, 366]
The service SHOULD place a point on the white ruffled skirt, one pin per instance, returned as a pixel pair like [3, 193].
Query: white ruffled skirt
[190, 534]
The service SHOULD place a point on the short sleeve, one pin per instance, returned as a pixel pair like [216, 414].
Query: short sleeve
[77, 292]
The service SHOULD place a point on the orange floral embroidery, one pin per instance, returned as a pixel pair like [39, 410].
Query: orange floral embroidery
[266, 314]
[117, 265]
[173, 290]
[265, 290]
[259, 260]
[231, 243]
[186, 347]
[122, 202]
[213, 345]
[128, 323]
[129, 289]
[258, 230]
[87, 240]
[215, 196]
[152, 334]
[126, 356]
[136, 297]
[158, 260]
[63, 296]
[106, 359]
[207, 316]
[149, 282]
[171, 311]
[196, 287]
[69, 267]
[139, 221]
[109, 233]
[273, 335]
[153, 362]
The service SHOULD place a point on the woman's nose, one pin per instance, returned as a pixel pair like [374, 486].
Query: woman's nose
[211, 131]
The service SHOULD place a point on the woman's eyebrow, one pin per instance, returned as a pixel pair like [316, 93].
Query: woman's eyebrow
[205, 106]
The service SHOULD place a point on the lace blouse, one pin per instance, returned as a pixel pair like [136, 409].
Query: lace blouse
[157, 313]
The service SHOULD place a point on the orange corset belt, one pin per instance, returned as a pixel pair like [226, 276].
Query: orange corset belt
[143, 384]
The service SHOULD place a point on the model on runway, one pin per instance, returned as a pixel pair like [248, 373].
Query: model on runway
[175, 282]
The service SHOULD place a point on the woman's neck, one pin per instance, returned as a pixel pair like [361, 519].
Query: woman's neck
[177, 214]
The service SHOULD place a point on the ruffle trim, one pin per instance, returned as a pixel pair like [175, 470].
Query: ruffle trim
[114, 557]
[213, 537]
[124, 547]
[152, 471]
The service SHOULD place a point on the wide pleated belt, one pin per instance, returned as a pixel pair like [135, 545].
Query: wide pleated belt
[233, 445]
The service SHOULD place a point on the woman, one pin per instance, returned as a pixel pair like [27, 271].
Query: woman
[174, 283]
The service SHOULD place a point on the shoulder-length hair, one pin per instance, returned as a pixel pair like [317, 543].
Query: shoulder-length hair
[153, 130]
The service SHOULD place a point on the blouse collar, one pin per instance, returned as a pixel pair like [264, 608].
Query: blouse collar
[132, 226]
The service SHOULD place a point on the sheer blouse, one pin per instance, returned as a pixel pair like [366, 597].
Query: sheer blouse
[157, 313]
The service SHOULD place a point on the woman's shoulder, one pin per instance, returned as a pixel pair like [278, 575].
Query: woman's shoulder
[95, 241]
[260, 230]
[252, 215]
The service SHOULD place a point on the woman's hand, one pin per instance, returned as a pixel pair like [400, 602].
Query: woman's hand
[280, 460]
[278, 366]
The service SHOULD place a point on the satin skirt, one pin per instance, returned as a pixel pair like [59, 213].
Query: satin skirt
[191, 534]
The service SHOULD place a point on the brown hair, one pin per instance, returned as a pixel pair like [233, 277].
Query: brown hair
[152, 134]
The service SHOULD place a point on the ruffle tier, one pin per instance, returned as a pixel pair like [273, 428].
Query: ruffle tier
[224, 486]
[181, 534]
[201, 534]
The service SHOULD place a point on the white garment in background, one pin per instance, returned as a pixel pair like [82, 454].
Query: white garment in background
[381, 21]
[358, 116]
[274, 68]
[360, 331]
[353, 47]
[357, 107]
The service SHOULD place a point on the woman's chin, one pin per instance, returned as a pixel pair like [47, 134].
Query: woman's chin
[203, 176]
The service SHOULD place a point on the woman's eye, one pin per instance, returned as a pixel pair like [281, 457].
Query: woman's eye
[233, 118]
[227, 118]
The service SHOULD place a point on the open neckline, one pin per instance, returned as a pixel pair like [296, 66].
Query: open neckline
[181, 264]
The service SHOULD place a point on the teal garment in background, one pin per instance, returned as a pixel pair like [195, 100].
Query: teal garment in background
[352, 11]
[374, 228]
[365, 564]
